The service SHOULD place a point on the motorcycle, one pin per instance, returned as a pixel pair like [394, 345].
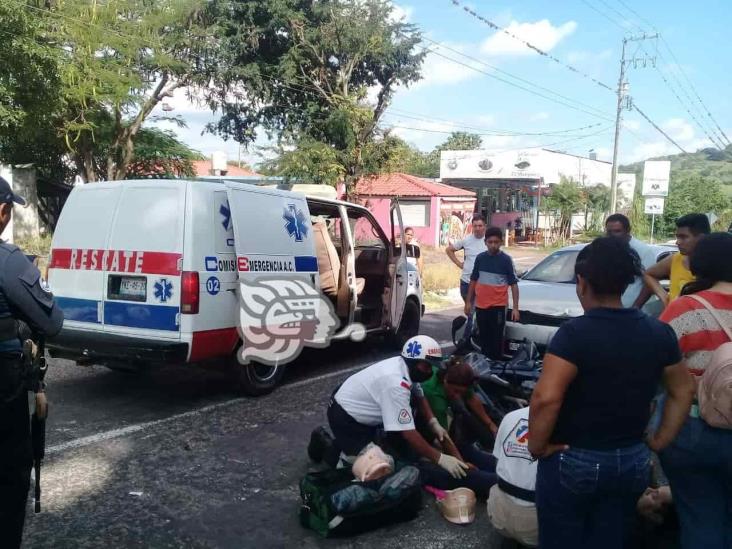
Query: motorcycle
[506, 385]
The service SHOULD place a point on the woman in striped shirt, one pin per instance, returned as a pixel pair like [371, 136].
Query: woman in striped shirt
[699, 462]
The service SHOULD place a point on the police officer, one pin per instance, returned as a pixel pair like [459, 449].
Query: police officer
[24, 301]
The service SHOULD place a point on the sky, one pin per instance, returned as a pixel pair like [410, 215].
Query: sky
[575, 114]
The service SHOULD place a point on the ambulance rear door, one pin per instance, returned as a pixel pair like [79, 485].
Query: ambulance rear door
[274, 241]
[143, 261]
[75, 270]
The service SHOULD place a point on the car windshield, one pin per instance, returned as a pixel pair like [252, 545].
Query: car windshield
[558, 267]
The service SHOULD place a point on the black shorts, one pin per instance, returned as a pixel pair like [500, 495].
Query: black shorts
[350, 436]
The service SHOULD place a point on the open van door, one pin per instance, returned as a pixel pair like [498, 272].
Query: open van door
[347, 307]
[279, 283]
[398, 255]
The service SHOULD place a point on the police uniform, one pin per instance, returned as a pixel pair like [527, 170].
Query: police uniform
[377, 397]
[24, 298]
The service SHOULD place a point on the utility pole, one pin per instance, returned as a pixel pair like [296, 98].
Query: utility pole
[622, 94]
[616, 142]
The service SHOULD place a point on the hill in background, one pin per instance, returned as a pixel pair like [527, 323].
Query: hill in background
[706, 163]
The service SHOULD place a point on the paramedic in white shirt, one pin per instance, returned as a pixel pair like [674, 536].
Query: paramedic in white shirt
[618, 225]
[472, 245]
[379, 397]
[511, 507]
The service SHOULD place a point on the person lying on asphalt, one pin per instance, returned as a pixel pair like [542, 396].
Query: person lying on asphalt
[381, 396]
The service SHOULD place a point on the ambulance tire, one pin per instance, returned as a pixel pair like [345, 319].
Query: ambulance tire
[409, 325]
[259, 379]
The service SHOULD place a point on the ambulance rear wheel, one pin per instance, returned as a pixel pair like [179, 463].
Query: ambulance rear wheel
[259, 379]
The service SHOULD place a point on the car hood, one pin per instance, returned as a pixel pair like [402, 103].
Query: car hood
[549, 298]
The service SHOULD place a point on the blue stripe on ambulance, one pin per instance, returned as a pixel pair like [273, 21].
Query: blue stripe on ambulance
[81, 310]
[306, 263]
[136, 315]
[128, 315]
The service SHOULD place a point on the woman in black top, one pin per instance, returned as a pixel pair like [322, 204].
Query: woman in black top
[414, 253]
[591, 405]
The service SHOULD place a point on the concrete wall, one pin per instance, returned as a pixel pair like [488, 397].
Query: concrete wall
[25, 222]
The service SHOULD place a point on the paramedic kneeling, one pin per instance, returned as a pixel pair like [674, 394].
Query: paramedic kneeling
[380, 397]
[511, 507]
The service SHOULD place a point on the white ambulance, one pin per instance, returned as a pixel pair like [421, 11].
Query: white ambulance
[148, 272]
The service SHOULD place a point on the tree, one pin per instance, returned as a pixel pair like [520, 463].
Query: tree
[27, 68]
[122, 58]
[564, 201]
[596, 201]
[158, 153]
[29, 96]
[691, 195]
[112, 64]
[302, 70]
[457, 141]
[307, 160]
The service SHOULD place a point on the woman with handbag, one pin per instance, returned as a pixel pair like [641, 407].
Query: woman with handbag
[699, 462]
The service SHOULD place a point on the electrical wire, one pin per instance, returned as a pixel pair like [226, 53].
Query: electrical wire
[652, 123]
[679, 68]
[529, 45]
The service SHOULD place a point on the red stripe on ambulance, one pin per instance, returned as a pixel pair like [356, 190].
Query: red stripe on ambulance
[118, 261]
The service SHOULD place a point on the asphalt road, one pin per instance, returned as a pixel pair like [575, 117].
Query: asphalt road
[176, 458]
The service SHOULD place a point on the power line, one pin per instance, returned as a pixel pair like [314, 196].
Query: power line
[508, 74]
[652, 123]
[448, 132]
[597, 10]
[423, 118]
[530, 45]
[680, 69]
[716, 142]
[529, 90]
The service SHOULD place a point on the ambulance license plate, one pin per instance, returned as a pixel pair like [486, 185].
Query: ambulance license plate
[133, 287]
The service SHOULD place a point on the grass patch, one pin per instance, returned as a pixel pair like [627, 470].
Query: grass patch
[40, 245]
[440, 276]
[434, 302]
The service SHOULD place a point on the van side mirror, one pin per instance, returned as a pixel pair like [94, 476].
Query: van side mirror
[523, 273]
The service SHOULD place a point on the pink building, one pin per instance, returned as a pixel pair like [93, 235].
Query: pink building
[435, 211]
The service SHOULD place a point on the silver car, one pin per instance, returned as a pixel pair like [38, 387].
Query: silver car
[548, 297]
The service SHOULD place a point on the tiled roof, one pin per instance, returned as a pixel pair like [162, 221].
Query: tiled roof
[402, 184]
[203, 167]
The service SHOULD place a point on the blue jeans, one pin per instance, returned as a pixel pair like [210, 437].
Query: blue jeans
[479, 481]
[587, 498]
[699, 467]
[469, 324]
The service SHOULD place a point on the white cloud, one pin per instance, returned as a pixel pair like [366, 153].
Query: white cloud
[679, 129]
[632, 124]
[402, 13]
[539, 116]
[438, 71]
[486, 119]
[541, 34]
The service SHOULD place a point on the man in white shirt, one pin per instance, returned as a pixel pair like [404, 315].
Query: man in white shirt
[618, 225]
[379, 397]
[472, 245]
[511, 506]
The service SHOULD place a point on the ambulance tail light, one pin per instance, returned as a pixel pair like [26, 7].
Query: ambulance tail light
[190, 294]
